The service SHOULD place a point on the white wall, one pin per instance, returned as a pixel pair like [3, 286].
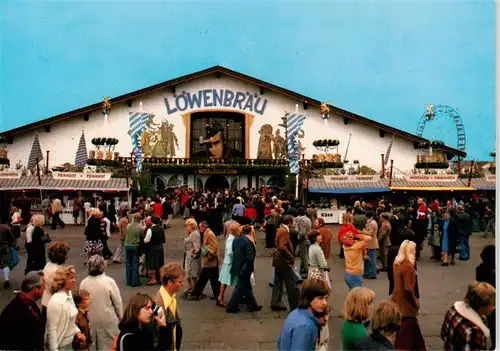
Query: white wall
[366, 144]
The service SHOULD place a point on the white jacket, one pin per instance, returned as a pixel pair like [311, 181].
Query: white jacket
[61, 316]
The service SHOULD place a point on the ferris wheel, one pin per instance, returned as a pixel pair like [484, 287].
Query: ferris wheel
[434, 113]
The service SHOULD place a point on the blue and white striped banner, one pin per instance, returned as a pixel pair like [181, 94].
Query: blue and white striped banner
[294, 124]
[81, 156]
[137, 123]
[388, 153]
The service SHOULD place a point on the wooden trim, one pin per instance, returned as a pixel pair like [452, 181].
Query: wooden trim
[248, 123]
[187, 124]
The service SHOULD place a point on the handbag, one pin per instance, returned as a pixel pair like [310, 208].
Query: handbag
[46, 238]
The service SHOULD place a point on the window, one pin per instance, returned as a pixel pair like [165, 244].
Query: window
[234, 133]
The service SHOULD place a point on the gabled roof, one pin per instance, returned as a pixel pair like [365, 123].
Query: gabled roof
[219, 70]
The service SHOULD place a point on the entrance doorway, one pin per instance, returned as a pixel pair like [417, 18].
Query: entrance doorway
[216, 182]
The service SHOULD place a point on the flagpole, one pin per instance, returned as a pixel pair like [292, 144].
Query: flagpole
[297, 175]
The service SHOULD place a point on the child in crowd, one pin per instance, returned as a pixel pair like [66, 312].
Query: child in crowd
[82, 302]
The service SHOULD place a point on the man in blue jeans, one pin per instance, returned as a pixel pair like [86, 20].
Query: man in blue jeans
[132, 240]
[371, 229]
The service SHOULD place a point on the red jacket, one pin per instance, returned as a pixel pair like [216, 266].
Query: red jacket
[251, 213]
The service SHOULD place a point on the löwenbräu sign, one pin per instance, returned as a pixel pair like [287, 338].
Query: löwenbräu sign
[246, 101]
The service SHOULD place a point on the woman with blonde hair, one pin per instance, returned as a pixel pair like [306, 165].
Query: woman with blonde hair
[385, 323]
[61, 327]
[356, 311]
[35, 244]
[463, 326]
[225, 277]
[192, 252]
[409, 336]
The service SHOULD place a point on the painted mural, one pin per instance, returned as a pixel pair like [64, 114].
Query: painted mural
[159, 139]
[215, 141]
[271, 145]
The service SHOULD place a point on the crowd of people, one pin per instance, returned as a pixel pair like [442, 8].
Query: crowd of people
[372, 239]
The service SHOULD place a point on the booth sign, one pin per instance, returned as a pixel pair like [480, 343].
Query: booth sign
[81, 176]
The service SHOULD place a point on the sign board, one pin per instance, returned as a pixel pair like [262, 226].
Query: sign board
[217, 171]
[81, 176]
[431, 178]
[491, 178]
[10, 174]
[351, 178]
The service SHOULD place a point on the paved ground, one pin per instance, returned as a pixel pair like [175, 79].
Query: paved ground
[210, 328]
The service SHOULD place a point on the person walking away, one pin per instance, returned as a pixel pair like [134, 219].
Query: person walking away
[122, 231]
[225, 277]
[243, 267]
[272, 222]
[7, 242]
[56, 213]
[326, 234]
[489, 218]
[133, 234]
[465, 231]
[485, 272]
[463, 327]
[106, 306]
[304, 226]
[453, 235]
[385, 323]
[283, 260]
[210, 262]
[106, 229]
[384, 240]
[35, 245]
[409, 336]
[301, 327]
[371, 229]
[155, 254]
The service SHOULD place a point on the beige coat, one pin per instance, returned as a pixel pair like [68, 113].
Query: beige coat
[106, 309]
[371, 229]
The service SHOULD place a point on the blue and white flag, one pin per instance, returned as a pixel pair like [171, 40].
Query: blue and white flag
[81, 156]
[388, 153]
[294, 124]
[137, 123]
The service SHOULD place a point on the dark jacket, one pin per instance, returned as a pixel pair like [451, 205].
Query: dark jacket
[243, 257]
[22, 325]
[93, 230]
[374, 342]
[454, 231]
[36, 251]
[6, 242]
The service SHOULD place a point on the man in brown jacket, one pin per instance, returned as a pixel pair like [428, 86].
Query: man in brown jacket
[384, 241]
[210, 262]
[283, 260]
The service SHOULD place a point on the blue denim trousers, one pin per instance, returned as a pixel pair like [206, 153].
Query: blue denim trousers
[132, 265]
[370, 265]
[353, 281]
[464, 253]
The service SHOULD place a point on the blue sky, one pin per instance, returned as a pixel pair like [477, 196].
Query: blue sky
[383, 60]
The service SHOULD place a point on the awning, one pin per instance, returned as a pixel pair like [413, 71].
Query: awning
[317, 185]
[48, 183]
[348, 191]
[431, 188]
[430, 185]
[483, 184]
